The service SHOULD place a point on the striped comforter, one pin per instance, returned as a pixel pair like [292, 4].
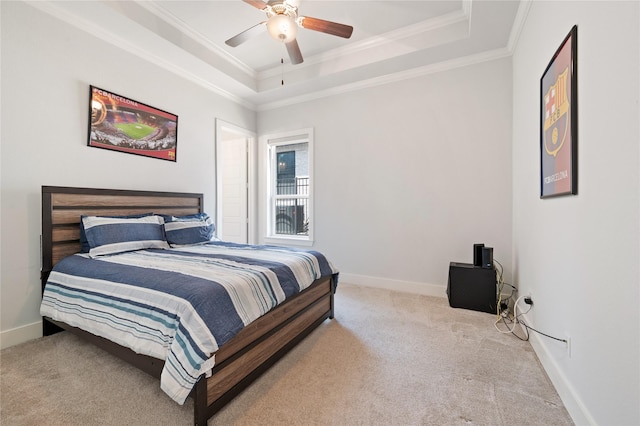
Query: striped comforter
[179, 305]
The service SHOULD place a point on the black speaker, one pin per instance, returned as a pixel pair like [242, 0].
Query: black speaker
[477, 254]
[470, 287]
[487, 257]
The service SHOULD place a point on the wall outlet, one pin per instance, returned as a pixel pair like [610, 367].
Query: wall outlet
[568, 345]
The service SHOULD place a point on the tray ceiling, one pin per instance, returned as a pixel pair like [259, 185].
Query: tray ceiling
[391, 40]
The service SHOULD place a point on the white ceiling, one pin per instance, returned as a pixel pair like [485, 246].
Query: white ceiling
[391, 40]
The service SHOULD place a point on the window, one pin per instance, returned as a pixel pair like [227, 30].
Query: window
[289, 204]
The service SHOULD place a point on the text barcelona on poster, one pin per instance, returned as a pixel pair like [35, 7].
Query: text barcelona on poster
[122, 124]
[557, 125]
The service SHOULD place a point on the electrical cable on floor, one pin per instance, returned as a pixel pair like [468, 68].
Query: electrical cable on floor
[524, 339]
[540, 332]
[500, 284]
[500, 288]
[503, 314]
[514, 290]
[516, 320]
[515, 317]
[512, 287]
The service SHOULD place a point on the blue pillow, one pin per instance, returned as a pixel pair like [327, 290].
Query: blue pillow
[108, 235]
[84, 244]
[189, 230]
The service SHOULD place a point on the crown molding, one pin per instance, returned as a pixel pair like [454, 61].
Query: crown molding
[377, 42]
[466, 7]
[396, 36]
[174, 21]
[491, 55]
[115, 40]
[518, 24]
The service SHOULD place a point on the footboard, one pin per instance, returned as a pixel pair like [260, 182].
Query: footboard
[256, 348]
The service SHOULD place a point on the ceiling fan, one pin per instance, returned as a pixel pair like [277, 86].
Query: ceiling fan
[282, 23]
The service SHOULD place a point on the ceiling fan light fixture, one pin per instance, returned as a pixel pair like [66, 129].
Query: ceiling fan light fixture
[282, 28]
[283, 22]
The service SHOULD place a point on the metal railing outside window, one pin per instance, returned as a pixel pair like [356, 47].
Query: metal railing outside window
[292, 206]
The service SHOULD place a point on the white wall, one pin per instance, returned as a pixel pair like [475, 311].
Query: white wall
[579, 255]
[401, 172]
[409, 175]
[47, 67]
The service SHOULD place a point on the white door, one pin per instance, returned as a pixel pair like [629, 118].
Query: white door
[233, 162]
[233, 174]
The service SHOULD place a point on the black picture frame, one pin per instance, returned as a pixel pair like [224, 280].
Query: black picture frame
[121, 124]
[559, 121]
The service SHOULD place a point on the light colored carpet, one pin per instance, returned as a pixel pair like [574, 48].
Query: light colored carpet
[386, 359]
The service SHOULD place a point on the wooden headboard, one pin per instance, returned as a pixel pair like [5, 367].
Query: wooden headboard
[63, 206]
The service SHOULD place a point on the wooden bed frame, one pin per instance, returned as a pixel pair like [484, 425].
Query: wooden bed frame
[241, 360]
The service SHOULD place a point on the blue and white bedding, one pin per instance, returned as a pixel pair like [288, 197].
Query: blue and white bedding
[179, 304]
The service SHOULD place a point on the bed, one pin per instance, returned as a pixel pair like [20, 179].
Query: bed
[243, 355]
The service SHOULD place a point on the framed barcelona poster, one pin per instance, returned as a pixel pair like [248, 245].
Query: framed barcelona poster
[559, 121]
[122, 124]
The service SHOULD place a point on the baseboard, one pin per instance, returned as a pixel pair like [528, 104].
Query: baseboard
[572, 402]
[577, 409]
[18, 335]
[424, 289]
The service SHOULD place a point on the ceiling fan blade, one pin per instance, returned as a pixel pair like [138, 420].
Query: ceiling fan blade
[258, 4]
[294, 52]
[328, 27]
[247, 34]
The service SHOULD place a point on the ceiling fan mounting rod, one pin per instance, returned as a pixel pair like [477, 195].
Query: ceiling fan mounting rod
[282, 9]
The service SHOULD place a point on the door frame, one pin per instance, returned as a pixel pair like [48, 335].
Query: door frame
[251, 138]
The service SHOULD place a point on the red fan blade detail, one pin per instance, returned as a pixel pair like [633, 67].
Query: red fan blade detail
[258, 4]
[328, 27]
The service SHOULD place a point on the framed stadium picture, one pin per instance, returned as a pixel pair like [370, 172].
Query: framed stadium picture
[122, 124]
[559, 121]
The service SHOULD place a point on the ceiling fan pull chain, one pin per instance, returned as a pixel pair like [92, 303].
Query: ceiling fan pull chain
[284, 49]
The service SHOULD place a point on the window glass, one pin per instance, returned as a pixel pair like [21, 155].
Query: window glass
[290, 187]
